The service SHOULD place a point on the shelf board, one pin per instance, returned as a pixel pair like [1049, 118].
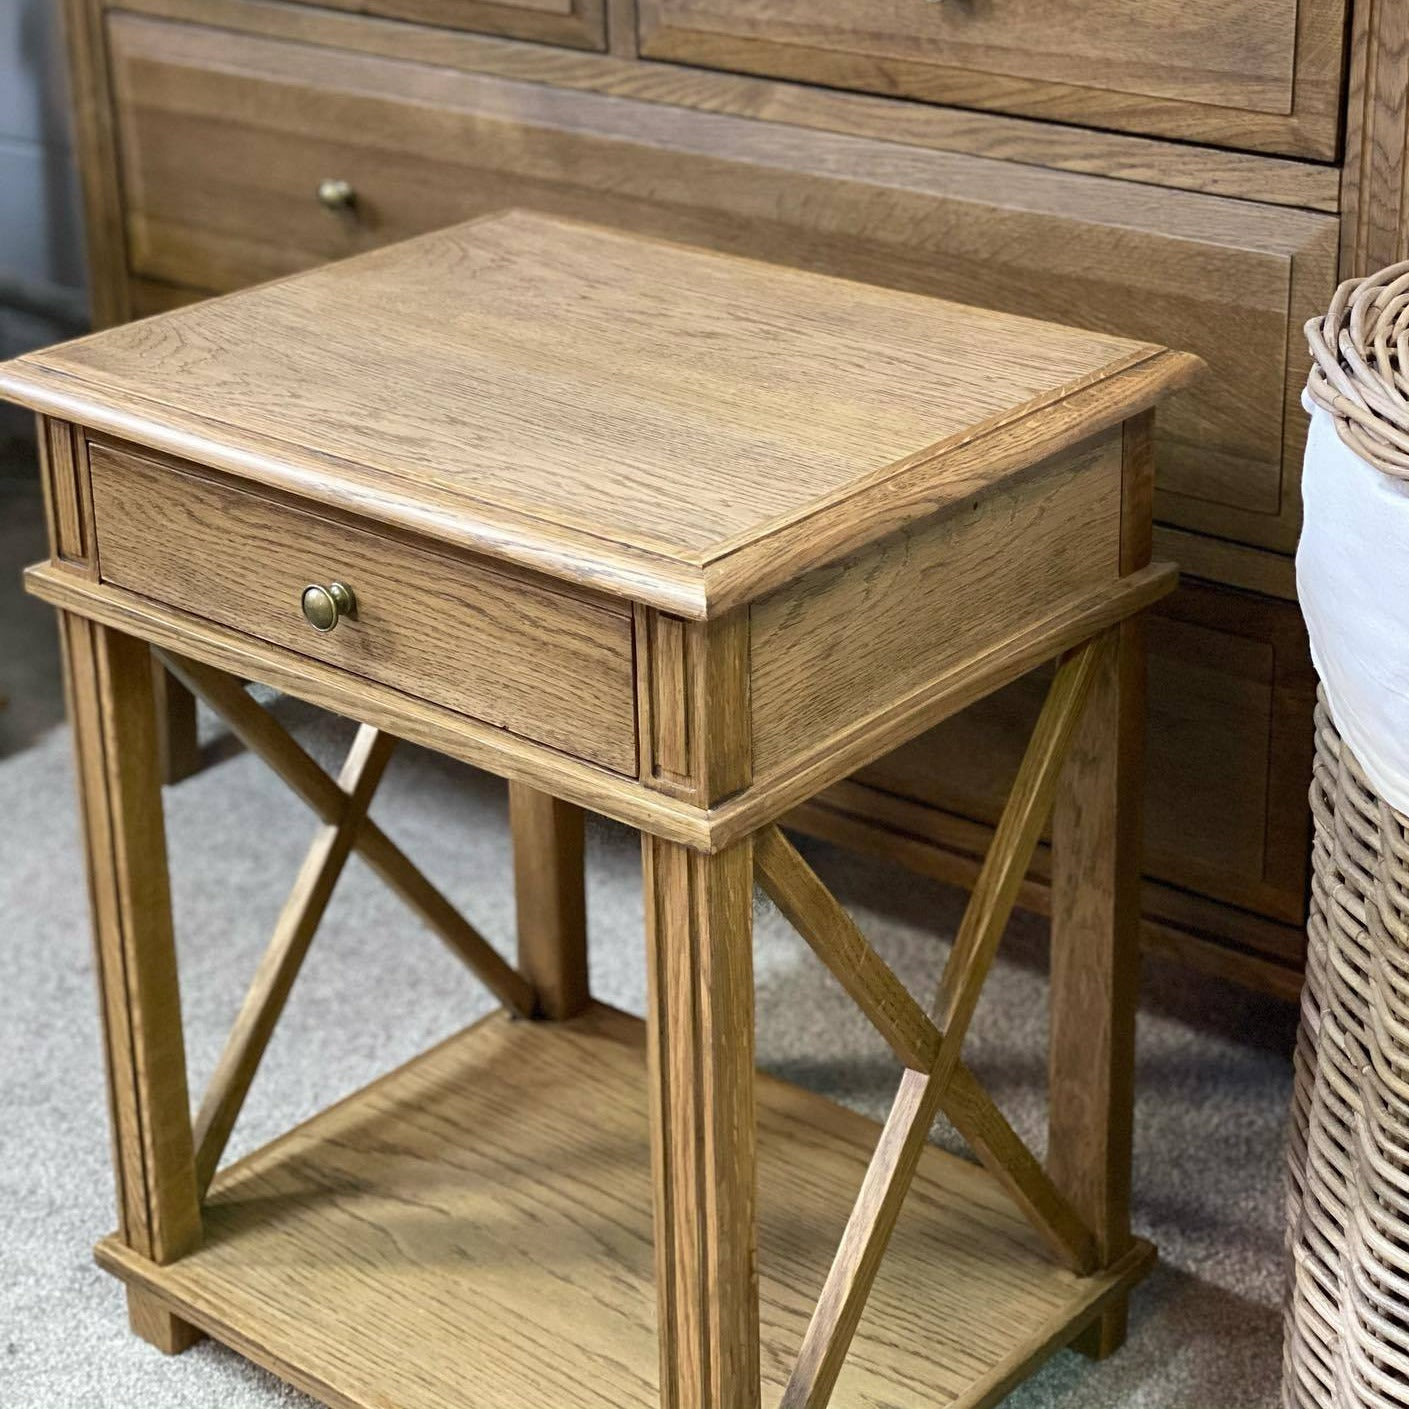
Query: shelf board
[474, 1229]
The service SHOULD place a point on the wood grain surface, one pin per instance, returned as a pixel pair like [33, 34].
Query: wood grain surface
[550, 899]
[578, 23]
[1375, 177]
[108, 677]
[699, 1025]
[650, 427]
[522, 656]
[491, 1201]
[1228, 279]
[1253, 176]
[1261, 74]
[846, 640]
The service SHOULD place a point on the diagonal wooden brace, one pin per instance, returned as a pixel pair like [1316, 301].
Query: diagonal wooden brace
[274, 979]
[917, 1103]
[819, 918]
[261, 733]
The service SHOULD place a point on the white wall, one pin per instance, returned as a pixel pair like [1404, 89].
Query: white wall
[41, 238]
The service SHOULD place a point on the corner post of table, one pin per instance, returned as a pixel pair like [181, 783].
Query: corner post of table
[112, 709]
[696, 744]
[550, 899]
[699, 914]
[1095, 964]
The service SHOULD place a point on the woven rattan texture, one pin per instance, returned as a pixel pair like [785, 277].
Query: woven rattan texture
[1360, 366]
[1347, 1314]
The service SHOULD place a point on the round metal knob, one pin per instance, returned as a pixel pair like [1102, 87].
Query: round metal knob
[336, 194]
[324, 607]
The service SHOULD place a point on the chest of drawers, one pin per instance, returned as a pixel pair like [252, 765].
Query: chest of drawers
[1198, 176]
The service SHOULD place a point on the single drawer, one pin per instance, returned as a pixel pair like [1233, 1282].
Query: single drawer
[1263, 74]
[494, 644]
[225, 138]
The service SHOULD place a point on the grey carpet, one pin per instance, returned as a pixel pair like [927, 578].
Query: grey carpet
[1213, 1060]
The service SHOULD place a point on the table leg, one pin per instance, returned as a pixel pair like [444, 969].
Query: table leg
[699, 922]
[1096, 960]
[115, 736]
[550, 897]
[178, 747]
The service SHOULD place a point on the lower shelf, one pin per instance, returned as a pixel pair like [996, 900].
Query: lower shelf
[475, 1230]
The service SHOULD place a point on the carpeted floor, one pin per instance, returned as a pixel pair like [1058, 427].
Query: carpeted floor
[1213, 1060]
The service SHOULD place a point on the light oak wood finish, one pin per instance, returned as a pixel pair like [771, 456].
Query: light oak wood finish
[814, 912]
[109, 681]
[841, 642]
[1147, 161]
[564, 1262]
[892, 1168]
[1095, 962]
[1229, 280]
[550, 900]
[699, 967]
[523, 656]
[1224, 773]
[95, 139]
[223, 142]
[645, 487]
[916, 504]
[263, 735]
[279, 966]
[579, 23]
[1375, 177]
[696, 720]
[593, 788]
[811, 909]
[1253, 75]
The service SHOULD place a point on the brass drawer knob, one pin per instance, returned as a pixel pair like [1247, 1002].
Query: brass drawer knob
[337, 195]
[324, 607]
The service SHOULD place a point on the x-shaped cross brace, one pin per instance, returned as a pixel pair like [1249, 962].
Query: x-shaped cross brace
[935, 1079]
[341, 805]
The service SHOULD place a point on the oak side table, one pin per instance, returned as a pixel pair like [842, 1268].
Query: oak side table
[680, 539]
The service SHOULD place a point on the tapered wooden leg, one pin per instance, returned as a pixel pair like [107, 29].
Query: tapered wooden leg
[177, 744]
[551, 899]
[699, 922]
[115, 734]
[1096, 960]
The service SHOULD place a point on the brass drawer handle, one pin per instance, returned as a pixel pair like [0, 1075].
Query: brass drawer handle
[324, 607]
[334, 194]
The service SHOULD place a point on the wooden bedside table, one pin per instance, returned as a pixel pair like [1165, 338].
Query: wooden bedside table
[680, 539]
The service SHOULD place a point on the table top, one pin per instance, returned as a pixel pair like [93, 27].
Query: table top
[668, 423]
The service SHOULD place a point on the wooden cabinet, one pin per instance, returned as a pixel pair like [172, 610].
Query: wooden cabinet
[224, 141]
[1246, 73]
[1172, 173]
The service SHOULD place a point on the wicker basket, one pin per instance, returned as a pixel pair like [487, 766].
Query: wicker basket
[1347, 1316]
[1347, 1312]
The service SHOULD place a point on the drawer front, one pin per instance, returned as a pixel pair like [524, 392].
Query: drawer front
[495, 645]
[1228, 752]
[225, 138]
[581, 24]
[1263, 74]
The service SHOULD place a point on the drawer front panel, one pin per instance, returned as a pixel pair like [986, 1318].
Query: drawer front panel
[224, 140]
[581, 24]
[494, 645]
[1228, 751]
[1263, 74]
